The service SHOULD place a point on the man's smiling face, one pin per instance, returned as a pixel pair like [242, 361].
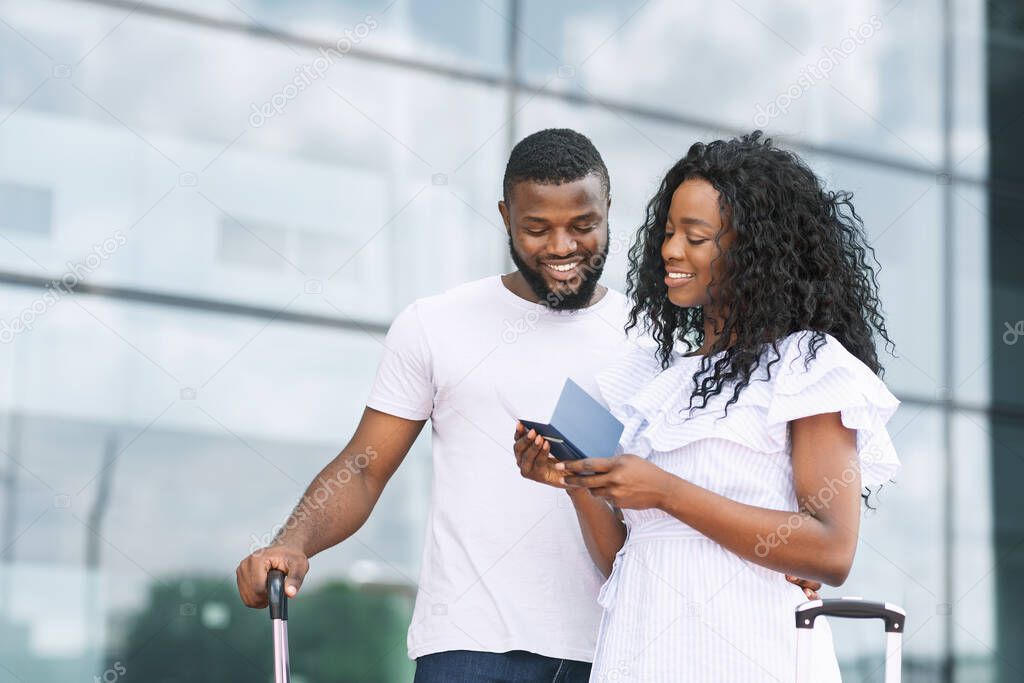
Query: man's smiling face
[558, 237]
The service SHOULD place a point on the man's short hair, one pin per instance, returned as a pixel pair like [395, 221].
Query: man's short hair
[552, 157]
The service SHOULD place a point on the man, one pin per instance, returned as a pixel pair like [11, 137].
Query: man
[507, 589]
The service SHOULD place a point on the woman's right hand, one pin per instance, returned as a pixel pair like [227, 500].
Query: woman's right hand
[533, 455]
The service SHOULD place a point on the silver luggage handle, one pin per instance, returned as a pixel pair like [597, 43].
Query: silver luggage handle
[851, 608]
[279, 618]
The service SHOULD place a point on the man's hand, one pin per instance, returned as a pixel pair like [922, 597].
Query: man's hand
[533, 455]
[252, 573]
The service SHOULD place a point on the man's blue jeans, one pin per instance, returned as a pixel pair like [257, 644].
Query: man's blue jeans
[465, 666]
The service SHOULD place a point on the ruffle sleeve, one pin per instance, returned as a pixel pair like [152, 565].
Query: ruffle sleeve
[837, 382]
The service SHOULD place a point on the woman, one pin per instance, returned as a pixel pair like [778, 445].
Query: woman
[744, 456]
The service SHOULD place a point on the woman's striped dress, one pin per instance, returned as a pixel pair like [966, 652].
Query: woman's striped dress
[678, 606]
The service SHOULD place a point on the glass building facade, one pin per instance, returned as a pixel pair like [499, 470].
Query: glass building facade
[211, 210]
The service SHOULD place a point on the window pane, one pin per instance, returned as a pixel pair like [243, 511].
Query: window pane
[26, 209]
[970, 95]
[840, 72]
[974, 578]
[973, 328]
[1007, 534]
[461, 33]
[223, 180]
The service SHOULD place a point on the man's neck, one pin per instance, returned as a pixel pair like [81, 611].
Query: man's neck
[517, 284]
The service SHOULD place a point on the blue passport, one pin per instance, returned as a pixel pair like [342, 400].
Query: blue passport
[580, 426]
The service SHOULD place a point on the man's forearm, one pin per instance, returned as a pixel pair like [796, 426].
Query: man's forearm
[335, 505]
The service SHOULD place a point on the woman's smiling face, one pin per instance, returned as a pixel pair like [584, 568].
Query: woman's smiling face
[689, 251]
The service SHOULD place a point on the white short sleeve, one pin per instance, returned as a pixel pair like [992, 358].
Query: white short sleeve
[404, 385]
[836, 381]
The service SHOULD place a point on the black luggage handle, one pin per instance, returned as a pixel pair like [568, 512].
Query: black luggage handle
[851, 608]
[279, 618]
[276, 595]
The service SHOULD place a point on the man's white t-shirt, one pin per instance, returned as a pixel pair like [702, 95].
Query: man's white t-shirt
[504, 564]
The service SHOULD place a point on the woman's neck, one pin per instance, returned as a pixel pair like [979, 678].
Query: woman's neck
[710, 337]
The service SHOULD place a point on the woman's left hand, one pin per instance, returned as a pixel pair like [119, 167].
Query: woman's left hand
[627, 481]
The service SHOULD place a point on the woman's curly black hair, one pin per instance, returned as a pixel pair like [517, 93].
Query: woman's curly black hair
[799, 260]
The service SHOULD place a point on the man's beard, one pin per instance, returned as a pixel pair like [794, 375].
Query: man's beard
[591, 268]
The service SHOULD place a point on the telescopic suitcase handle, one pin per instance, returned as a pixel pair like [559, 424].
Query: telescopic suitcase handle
[279, 618]
[893, 616]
